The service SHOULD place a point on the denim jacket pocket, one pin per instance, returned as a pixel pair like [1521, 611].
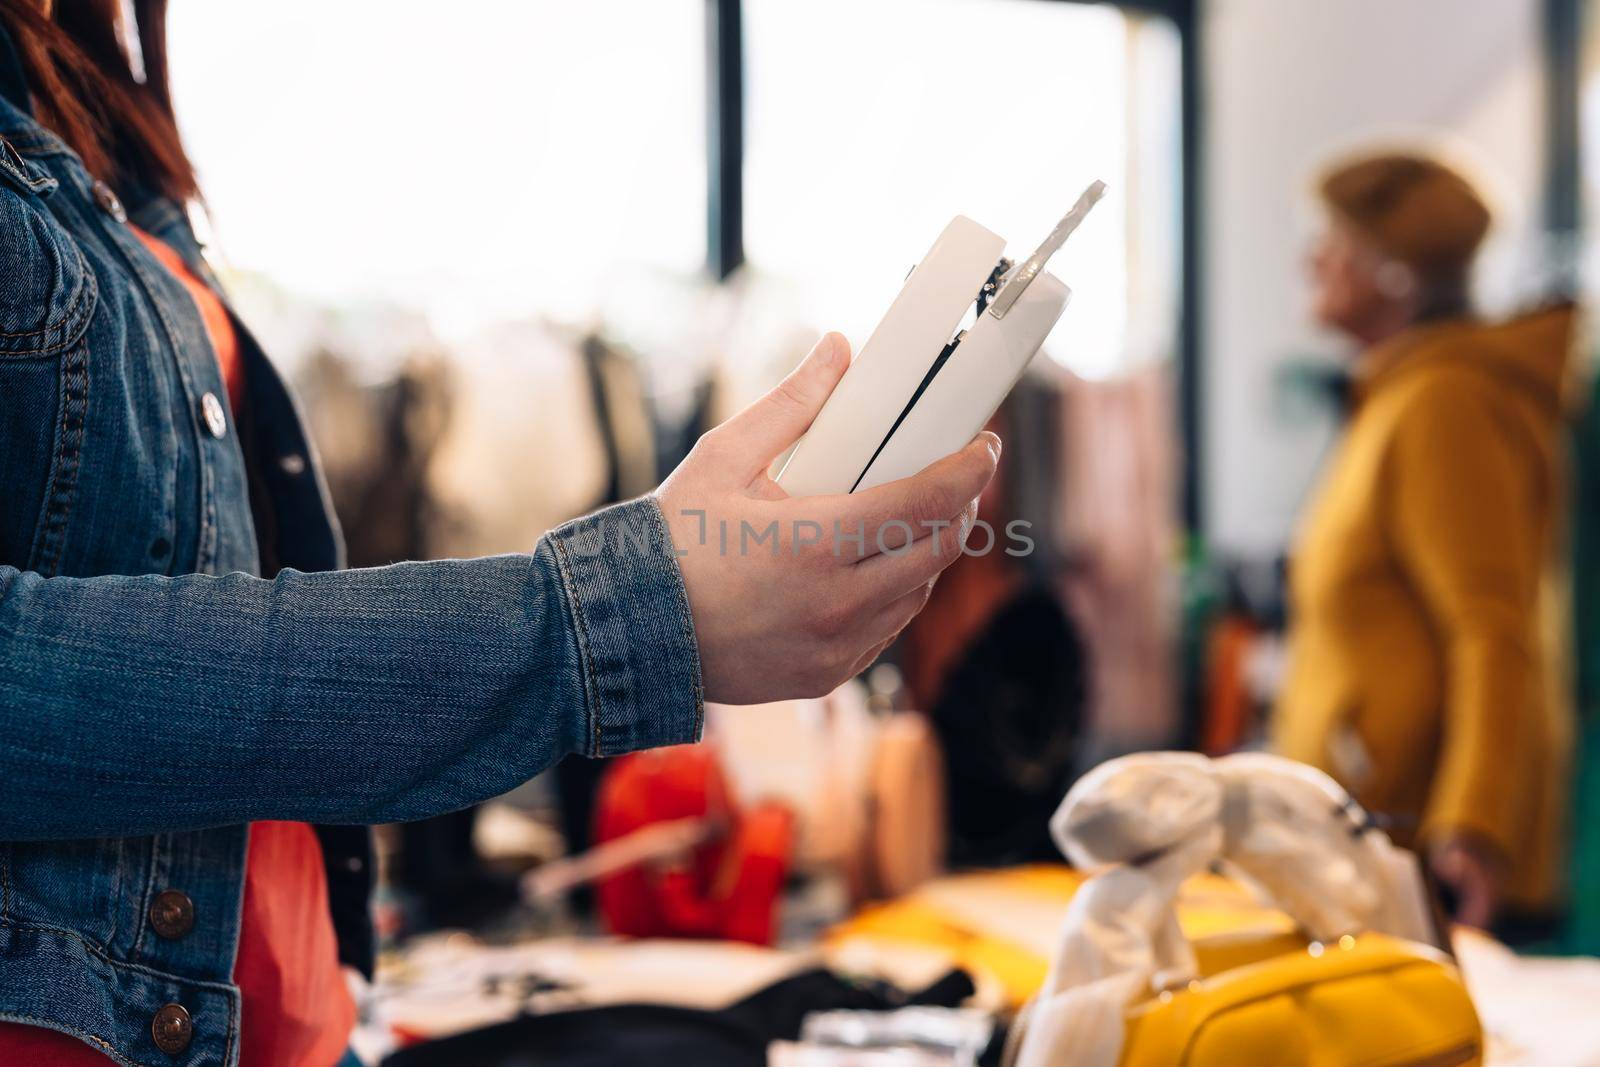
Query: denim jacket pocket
[47, 288]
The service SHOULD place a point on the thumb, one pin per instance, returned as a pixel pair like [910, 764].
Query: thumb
[777, 420]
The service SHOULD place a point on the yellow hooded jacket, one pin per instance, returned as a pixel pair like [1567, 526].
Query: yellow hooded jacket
[1420, 673]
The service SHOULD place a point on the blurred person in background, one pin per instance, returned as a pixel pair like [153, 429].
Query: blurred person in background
[189, 680]
[1417, 675]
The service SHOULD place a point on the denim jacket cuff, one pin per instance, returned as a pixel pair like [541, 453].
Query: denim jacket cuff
[641, 665]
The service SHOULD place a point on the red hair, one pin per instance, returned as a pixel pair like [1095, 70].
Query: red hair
[85, 90]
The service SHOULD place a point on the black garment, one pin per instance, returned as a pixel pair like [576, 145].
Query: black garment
[1010, 722]
[682, 1037]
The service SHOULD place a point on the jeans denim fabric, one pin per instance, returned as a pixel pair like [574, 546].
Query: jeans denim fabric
[180, 654]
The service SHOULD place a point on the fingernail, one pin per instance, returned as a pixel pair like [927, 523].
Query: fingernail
[831, 348]
[993, 440]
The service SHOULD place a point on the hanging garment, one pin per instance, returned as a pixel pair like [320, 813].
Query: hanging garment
[524, 451]
[996, 661]
[1010, 722]
[1118, 525]
[625, 419]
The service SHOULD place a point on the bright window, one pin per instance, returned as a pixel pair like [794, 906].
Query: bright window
[472, 161]
[871, 122]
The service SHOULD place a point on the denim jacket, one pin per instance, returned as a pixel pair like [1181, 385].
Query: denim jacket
[180, 654]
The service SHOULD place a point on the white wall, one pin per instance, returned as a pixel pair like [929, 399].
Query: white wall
[1287, 82]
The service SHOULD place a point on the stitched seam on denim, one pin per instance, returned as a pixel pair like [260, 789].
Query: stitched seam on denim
[62, 489]
[205, 547]
[33, 185]
[142, 918]
[591, 688]
[72, 324]
[234, 917]
[204, 985]
[77, 298]
[100, 1043]
[685, 615]
[234, 1008]
[5, 881]
[64, 469]
[218, 988]
[114, 898]
[209, 534]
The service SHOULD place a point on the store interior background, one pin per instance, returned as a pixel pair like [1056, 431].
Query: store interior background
[497, 188]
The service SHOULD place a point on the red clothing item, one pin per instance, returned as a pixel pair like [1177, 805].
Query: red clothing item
[728, 887]
[296, 1010]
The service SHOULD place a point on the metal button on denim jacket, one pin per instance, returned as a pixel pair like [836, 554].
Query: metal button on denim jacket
[157, 694]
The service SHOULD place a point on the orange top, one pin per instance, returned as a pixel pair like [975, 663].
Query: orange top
[219, 327]
[296, 1010]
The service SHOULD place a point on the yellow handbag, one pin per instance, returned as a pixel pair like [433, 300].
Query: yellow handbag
[1264, 996]
[1366, 1001]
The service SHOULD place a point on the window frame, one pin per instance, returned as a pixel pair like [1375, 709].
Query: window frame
[1564, 25]
[725, 90]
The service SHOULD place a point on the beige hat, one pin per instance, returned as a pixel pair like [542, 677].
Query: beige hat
[1415, 209]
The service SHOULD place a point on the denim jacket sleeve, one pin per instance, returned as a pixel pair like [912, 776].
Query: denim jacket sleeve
[131, 705]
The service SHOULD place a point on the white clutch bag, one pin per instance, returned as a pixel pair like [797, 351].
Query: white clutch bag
[923, 386]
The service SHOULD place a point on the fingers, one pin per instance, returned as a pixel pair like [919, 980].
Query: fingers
[890, 575]
[890, 621]
[755, 436]
[870, 657]
[883, 594]
[1477, 909]
[898, 613]
[893, 515]
[1472, 877]
[1474, 899]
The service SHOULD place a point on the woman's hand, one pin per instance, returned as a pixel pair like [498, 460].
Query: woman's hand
[792, 596]
[1473, 875]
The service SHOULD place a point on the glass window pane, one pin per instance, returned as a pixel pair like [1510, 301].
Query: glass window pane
[872, 122]
[473, 161]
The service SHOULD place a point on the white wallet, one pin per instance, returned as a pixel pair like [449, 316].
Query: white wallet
[923, 386]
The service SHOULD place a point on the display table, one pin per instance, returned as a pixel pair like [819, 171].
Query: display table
[1000, 927]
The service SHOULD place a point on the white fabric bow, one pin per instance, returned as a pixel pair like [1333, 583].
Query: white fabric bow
[1146, 823]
